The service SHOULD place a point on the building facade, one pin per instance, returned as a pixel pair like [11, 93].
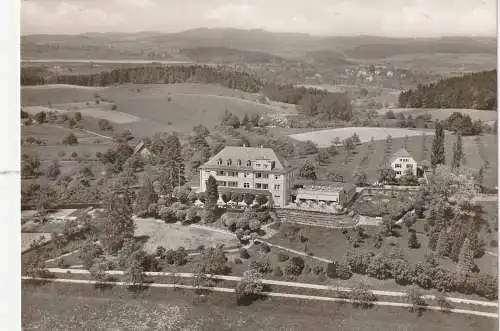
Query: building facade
[252, 169]
[402, 162]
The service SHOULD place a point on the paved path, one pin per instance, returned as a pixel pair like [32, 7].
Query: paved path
[280, 283]
[271, 294]
[97, 134]
[491, 253]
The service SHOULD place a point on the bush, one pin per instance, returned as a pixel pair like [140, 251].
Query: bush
[160, 251]
[263, 266]
[362, 296]
[70, 139]
[331, 270]
[343, 270]
[238, 261]
[104, 125]
[295, 266]
[244, 253]
[265, 248]
[282, 257]
[414, 297]
[379, 267]
[494, 243]
[402, 272]
[317, 269]
[74, 154]
[114, 107]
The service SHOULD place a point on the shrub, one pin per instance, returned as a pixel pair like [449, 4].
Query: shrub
[74, 154]
[238, 261]
[262, 265]
[244, 253]
[358, 263]
[378, 267]
[254, 225]
[70, 139]
[239, 234]
[362, 296]
[250, 286]
[160, 251]
[317, 269]
[414, 297]
[402, 272]
[295, 266]
[282, 257]
[343, 270]
[331, 270]
[265, 248]
[114, 107]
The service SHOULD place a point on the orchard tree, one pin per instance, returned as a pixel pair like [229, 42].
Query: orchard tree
[322, 157]
[308, 171]
[458, 153]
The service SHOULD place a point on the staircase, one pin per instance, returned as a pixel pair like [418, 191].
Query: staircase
[311, 218]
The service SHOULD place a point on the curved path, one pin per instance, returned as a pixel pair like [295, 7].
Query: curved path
[271, 294]
[280, 283]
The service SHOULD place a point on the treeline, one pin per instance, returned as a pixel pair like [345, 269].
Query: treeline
[148, 75]
[313, 102]
[476, 91]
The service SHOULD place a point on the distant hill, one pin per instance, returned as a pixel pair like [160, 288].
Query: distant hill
[327, 58]
[287, 45]
[228, 55]
[476, 91]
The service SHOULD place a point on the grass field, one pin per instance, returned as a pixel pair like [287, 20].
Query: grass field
[324, 138]
[172, 236]
[80, 307]
[174, 107]
[368, 159]
[442, 114]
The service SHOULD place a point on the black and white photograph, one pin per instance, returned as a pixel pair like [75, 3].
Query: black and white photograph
[213, 165]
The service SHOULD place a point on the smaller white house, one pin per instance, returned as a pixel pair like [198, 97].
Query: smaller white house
[402, 161]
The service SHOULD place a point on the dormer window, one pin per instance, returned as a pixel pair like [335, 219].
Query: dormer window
[249, 163]
[219, 161]
[229, 162]
[238, 163]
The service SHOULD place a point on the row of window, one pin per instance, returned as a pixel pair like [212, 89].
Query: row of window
[247, 163]
[259, 186]
[245, 174]
[404, 160]
[408, 166]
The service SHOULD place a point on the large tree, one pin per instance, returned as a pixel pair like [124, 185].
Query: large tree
[308, 171]
[212, 191]
[438, 155]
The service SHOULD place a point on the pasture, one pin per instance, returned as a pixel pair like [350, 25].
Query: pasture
[443, 114]
[148, 108]
[172, 236]
[324, 138]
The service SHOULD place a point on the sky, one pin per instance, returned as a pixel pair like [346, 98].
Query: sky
[396, 18]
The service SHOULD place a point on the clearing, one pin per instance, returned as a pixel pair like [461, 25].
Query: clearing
[172, 236]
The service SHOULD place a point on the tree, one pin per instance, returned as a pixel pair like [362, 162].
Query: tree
[414, 298]
[322, 156]
[53, 170]
[135, 272]
[332, 150]
[390, 115]
[225, 116]
[437, 155]
[362, 296]
[250, 286]
[413, 241]
[78, 116]
[70, 139]
[45, 199]
[458, 153]
[360, 178]
[89, 252]
[201, 130]
[349, 145]
[355, 139]
[308, 171]
[245, 120]
[30, 165]
[212, 192]
[40, 117]
[104, 125]
[214, 260]
[386, 174]
[442, 246]
[466, 258]
[234, 121]
[146, 196]
[294, 267]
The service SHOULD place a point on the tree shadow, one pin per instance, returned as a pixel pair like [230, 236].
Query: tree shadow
[137, 289]
[247, 300]
[142, 239]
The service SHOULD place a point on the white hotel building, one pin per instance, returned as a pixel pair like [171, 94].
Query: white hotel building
[254, 170]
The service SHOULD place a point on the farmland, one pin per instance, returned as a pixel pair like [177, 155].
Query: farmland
[149, 108]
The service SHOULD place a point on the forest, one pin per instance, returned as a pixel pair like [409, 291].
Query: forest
[475, 91]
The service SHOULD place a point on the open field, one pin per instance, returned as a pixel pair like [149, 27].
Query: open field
[150, 108]
[28, 238]
[52, 134]
[324, 138]
[442, 114]
[172, 236]
[368, 159]
[48, 307]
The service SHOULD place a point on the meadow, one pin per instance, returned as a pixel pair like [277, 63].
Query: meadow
[145, 109]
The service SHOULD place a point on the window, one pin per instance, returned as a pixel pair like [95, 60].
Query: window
[220, 173]
[238, 163]
[232, 184]
[398, 172]
[232, 173]
[221, 183]
[265, 175]
[246, 185]
[249, 163]
[265, 186]
[276, 176]
[219, 162]
[258, 175]
[273, 164]
[245, 174]
[276, 187]
[266, 165]
[258, 186]
[397, 165]
[229, 162]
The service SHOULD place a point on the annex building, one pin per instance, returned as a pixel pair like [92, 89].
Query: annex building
[250, 169]
[402, 162]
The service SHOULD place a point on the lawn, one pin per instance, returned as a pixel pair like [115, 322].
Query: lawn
[81, 307]
[28, 238]
[172, 236]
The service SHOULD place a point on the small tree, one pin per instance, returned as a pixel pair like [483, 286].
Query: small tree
[458, 153]
[234, 121]
[70, 139]
[362, 296]
[413, 241]
[53, 170]
[360, 178]
[437, 155]
[308, 171]
[414, 298]
[135, 273]
[250, 286]
[466, 258]
[78, 116]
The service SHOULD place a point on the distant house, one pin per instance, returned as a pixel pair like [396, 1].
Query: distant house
[402, 161]
[142, 150]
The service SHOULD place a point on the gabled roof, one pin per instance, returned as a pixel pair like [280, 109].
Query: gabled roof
[245, 154]
[402, 152]
[138, 148]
